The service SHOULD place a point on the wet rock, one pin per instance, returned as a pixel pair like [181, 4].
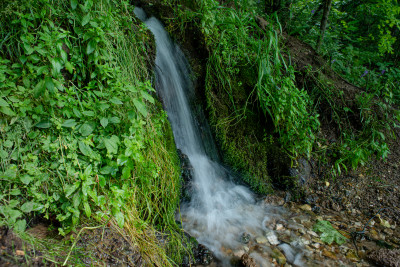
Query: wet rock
[285, 238]
[274, 200]
[329, 254]
[302, 172]
[261, 240]
[245, 238]
[248, 261]
[203, 255]
[305, 207]
[186, 174]
[279, 227]
[272, 239]
[278, 256]
[239, 253]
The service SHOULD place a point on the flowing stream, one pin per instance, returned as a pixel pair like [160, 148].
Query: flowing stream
[220, 213]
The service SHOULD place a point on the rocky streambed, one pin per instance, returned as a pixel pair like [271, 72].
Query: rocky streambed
[366, 241]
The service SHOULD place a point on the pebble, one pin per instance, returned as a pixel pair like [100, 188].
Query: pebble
[278, 256]
[329, 254]
[261, 240]
[279, 227]
[239, 253]
[305, 207]
[312, 233]
[19, 253]
[272, 239]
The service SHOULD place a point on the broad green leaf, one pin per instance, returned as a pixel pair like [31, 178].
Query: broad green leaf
[26, 82]
[115, 120]
[328, 233]
[88, 211]
[91, 46]
[112, 144]
[140, 107]
[3, 103]
[126, 173]
[104, 122]
[74, 4]
[13, 215]
[50, 84]
[77, 112]
[116, 101]
[88, 113]
[26, 179]
[3, 154]
[85, 149]
[77, 199]
[147, 97]
[69, 123]
[86, 129]
[31, 206]
[13, 203]
[57, 66]
[119, 217]
[20, 226]
[86, 19]
[15, 192]
[39, 88]
[43, 124]
[102, 180]
[69, 67]
[7, 111]
[70, 189]
[8, 143]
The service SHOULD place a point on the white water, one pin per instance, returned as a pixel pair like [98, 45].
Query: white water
[219, 211]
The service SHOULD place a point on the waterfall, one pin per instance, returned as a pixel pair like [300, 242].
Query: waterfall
[220, 211]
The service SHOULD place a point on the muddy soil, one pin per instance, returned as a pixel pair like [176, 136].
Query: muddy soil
[16, 252]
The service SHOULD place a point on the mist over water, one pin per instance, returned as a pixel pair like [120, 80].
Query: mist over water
[220, 211]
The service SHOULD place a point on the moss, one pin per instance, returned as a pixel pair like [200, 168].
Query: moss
[241, 131]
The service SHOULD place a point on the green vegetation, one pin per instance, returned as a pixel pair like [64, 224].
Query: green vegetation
[328, 233]
[249, 70]
[360, 44]
[81, 134]
[85, 142]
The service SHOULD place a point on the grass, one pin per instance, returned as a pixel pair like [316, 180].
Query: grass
[82, 135]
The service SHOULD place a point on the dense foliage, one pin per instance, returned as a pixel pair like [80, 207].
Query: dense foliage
[81, 134]
[361, 48]
[361, 44]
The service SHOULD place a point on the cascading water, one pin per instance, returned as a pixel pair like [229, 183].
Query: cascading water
[220, 211]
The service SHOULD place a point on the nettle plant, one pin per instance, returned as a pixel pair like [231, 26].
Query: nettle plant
[71, 126]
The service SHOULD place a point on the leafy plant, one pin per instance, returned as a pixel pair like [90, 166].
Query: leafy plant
[328, 233]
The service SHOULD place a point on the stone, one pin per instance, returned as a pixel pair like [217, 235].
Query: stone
[278, 256]
[316, 245]
[274, 200]
[19, 252]
[245, 238]
[248, 261]
[261, 240]
[305, 207]
[272, 239]
[312, 233]
[329, 254]
[239, 253]
[279, 227]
